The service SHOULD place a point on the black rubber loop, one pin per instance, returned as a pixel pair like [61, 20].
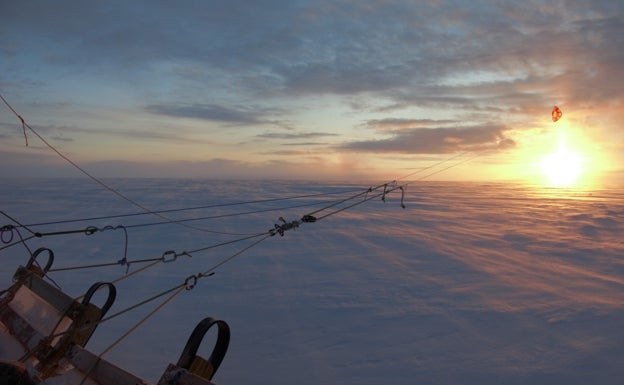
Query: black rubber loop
[219, 350]
[34, 256]
[112, 293]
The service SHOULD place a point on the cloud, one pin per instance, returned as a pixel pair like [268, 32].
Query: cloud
[393, 124]
[62, 139]
[211, 112]
[341, 48]
[437, 140]
[394, 67]
[290, 136]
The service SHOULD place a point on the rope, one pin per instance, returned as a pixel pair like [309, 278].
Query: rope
[92, 177]
[213, 268]
[92, 229]
[191, 208]
[356, 203]
[189, 283]
[172, 255]
[432, 166]
[169, 256]
[132, 329]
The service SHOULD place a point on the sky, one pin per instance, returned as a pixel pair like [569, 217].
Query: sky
[343, 90]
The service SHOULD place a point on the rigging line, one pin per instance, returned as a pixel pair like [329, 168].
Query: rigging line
[370, 189]
[192, 208]
[144, 302]
[451, 166]
[186, 285]
[21, 241]
[92, 229]
[30, 253]
[10, 229]
[24, 125]
[132, 329]
[92, 177]
[228, 259]
[263, 235]
[128, 275]
[26, 227]
[74, 164]
[226, 215]
[155, 260]
[433, 165]
[118, 263]
[357, 203]
[230, 242]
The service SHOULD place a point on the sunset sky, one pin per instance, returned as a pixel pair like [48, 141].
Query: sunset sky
[315, 89]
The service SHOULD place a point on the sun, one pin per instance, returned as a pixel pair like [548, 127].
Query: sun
[562, 168]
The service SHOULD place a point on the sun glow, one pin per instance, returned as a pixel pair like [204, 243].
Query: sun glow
[562, 168]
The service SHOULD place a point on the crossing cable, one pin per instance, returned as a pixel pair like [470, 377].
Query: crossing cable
[451, 166]
[228, 215]
[191, 281]
[92, 177]
[132, 329]
[172, 254]
[74, 164]
[9, 229]
[90, 230]
[432, 166]
[193, 208]
[166, 257]
[311, 218]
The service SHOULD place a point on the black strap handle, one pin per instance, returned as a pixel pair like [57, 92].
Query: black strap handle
[112, 293]
[34, 256]
[219, 350]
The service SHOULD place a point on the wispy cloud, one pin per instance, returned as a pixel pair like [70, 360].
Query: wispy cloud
[290, 136]
[437, 140]
[211, 112]
[394, 124]
[394, 67]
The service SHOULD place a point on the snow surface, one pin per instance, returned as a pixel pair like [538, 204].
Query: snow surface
[470, 284]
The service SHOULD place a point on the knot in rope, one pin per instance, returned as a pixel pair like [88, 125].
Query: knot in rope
[124, 262]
